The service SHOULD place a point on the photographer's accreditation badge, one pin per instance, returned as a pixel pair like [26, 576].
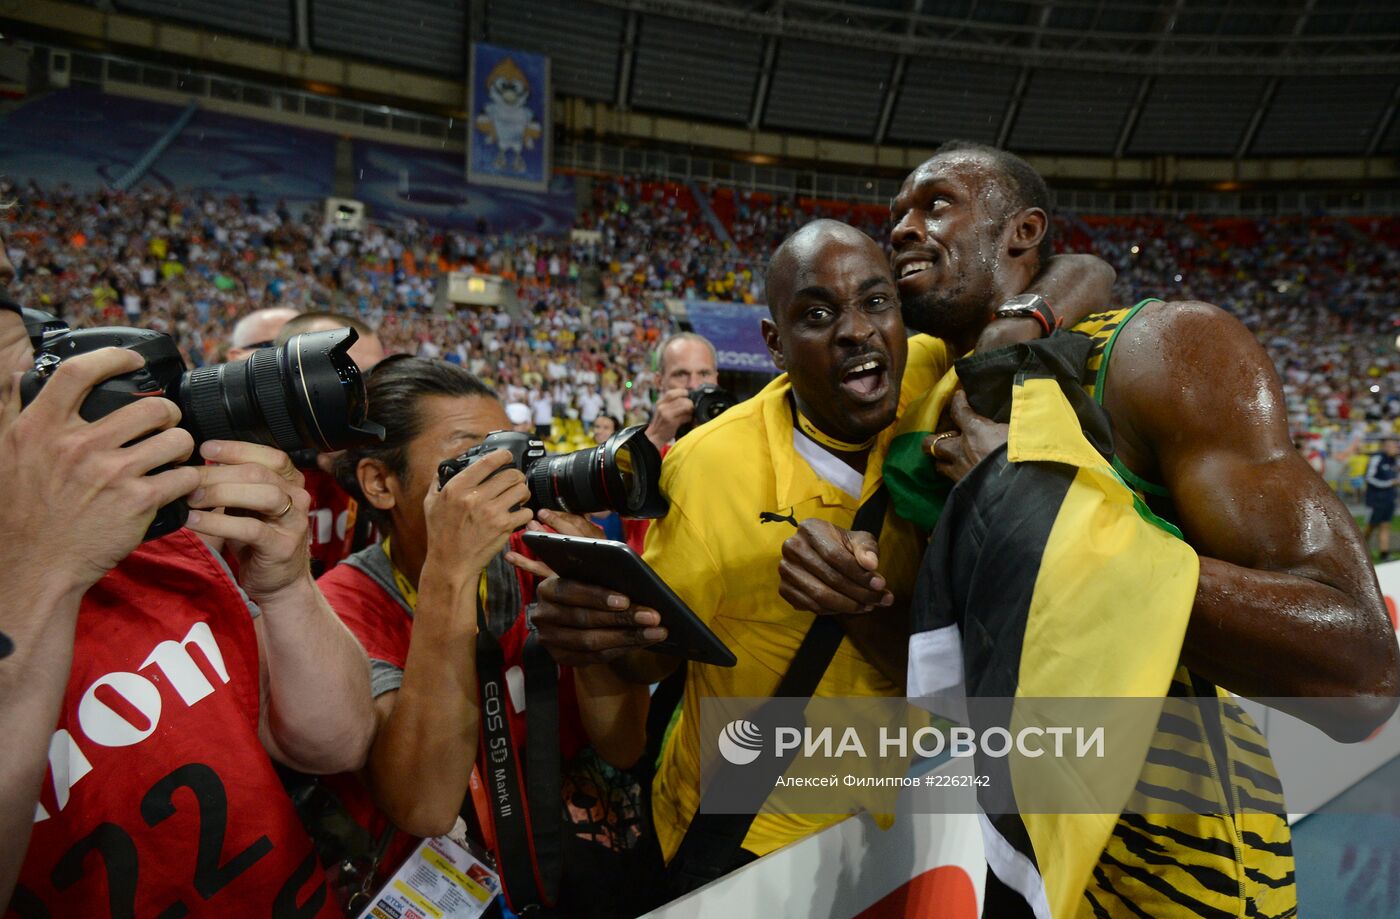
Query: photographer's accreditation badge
[440, 880]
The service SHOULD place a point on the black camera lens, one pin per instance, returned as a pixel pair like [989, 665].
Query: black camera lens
[307, 393]
[623, 474]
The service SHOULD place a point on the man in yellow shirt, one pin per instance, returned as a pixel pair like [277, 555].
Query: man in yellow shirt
[808, 446]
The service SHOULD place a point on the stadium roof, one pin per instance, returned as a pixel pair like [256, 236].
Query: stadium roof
[1266, 78]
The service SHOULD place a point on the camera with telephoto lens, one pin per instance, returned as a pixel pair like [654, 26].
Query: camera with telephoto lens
[710, 402]
[306, 394]
[622, 474]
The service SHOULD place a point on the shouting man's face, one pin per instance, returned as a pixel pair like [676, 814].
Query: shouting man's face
[836, 329]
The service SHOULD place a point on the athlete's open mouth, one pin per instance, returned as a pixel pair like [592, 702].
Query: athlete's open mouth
[914, 267]
[910, 264]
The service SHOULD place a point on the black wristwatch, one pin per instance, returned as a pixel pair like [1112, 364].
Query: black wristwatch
[1030, 306]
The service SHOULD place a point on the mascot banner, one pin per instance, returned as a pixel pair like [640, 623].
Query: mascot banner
[508, 129]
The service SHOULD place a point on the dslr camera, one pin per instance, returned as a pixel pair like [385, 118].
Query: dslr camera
[622, 474]
[710, 402]
[306, 394]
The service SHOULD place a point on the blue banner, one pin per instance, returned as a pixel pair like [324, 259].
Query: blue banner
[508, 127]
[733, 328]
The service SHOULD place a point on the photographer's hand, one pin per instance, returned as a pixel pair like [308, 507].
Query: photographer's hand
[673, 409]
[79, 495]
[470, 519]
[316, 709]
[559, 522]
[267, 532]
[77, 501]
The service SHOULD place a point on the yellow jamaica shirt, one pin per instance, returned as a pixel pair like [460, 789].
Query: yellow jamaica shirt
[713, 549]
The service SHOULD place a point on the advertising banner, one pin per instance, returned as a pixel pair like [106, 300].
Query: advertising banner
[508, 126]
[733, 328]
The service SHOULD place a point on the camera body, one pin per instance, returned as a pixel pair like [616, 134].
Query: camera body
[622, 474]
[710, 402]
[163, 369]
[306, 394]
[159, 377]
[525, 450]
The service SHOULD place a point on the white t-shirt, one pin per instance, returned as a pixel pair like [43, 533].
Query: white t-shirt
[590, 404]
[543, 408]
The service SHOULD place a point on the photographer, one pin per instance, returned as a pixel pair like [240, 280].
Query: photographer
[686, 361]
[142, 679]
[441, 612]
[257, 330]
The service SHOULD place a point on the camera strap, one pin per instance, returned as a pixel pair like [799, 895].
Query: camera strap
[524, 807]
[712, 842]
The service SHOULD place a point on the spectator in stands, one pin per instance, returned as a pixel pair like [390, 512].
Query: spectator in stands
[257, 330]
[412, 600]
[685, 361]
[366, 352]
[590, 404]
[604, 426]
[519, 416]
[542, 413]
[1382, 473]
[104, 670]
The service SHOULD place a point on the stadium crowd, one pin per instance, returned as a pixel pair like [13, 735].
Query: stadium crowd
[1315, 290]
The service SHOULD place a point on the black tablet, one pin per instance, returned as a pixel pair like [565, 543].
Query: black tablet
[615, 566]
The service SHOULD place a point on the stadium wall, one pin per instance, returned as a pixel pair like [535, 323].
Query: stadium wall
[88, 27]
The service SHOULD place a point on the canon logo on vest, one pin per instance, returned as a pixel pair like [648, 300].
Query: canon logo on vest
[101, 724]
[326, 525]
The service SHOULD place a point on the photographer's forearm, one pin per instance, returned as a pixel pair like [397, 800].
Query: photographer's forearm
[39, 617]
[644, 667]
[319, 714]
[614, 713]
[422, 756]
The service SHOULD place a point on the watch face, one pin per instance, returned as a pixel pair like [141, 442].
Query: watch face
[1022, 302]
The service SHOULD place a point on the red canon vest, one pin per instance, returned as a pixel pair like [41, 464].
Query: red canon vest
[159, 799]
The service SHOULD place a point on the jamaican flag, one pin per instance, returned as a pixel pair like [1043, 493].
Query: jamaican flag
[1045, 577]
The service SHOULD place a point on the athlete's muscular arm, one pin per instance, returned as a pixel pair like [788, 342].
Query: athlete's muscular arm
[1288, 604]
[316, 713]
[614, 714]
[1074, 284]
